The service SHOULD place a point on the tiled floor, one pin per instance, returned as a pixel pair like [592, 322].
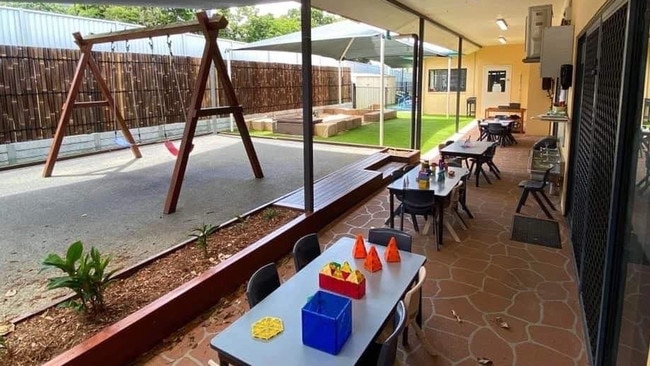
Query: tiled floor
[483, 277]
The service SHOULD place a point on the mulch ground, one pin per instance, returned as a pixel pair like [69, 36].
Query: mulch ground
[40, 338]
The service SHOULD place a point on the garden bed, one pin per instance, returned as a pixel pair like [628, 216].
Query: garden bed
[42, 336]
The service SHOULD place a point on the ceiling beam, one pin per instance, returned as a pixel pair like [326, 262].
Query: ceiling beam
[428, 19]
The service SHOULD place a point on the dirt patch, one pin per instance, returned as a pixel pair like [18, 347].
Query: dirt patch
[58, 329]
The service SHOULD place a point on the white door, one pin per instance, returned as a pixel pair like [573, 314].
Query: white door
[496, 86]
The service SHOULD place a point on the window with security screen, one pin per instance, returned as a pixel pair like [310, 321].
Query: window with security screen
[438, 80]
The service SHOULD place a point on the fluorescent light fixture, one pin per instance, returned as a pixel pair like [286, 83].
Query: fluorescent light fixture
[502, 40]
[502, 24]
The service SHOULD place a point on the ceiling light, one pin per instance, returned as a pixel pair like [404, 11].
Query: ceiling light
[502, 24]
[502, 40]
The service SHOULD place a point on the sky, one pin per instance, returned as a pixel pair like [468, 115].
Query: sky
[276, 9]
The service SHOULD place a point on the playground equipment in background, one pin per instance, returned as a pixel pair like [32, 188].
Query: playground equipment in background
[210, 28]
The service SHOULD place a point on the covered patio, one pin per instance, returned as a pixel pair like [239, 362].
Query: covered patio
[485, 276]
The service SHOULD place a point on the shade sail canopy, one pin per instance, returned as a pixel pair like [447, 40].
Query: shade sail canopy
[349, 40]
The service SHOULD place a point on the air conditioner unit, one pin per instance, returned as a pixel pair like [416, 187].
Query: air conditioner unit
[538, 18]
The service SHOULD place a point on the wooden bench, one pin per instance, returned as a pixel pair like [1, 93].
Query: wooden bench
[370, 162]
[340, 187]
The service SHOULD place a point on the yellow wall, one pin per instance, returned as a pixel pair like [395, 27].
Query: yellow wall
[436, 102]
[525, 84]
[525, 80]
[538, 103]
[582, 11]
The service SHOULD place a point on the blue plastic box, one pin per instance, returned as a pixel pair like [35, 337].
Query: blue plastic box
[326, 322]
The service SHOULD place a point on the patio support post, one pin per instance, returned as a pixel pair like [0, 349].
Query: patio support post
[307, 101]
[340, 82]
[229, 67]
[460, 61]
[449, 84]
[341, 72]
[418, 140]
[414, 89]
[382, 92]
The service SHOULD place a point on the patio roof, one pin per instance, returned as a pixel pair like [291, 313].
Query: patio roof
[473, 20]
[349, 40]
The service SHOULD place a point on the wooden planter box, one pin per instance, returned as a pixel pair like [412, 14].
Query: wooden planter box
[125, 340]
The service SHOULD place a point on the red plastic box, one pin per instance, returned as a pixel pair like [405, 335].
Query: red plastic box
[342, 287]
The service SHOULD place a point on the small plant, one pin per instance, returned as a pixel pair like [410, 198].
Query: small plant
[3, 343]
[269, 213]
[201, 234]
[241, 222]
[86, 275]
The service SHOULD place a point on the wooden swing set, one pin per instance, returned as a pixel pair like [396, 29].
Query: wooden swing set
[210, 28]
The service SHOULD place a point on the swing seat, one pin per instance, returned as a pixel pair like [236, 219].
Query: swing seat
[173, 149]
[121, 141]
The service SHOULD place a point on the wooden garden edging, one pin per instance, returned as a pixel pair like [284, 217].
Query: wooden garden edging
[128, 338]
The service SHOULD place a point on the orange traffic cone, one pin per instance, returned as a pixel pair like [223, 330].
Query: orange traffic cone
[372, 262]
[392, 253]
[359, 250]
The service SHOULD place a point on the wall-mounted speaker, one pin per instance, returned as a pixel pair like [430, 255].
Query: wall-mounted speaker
[547, 84]
[566, 75]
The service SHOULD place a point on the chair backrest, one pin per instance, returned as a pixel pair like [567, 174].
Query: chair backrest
[305, 250]
[264, 281]
[491, 151]
[547, 174]
[381, 236]
[495, 128]
[412, 297]
[388, 352]
[396, 174]
[416, 201]
[454, 196]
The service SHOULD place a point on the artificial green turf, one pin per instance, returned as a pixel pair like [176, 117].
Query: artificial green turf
[435, 129]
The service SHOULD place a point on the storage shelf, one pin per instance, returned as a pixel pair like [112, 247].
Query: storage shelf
[553, 118]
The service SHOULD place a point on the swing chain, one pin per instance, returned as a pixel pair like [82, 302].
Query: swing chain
[169, 45]
[151, 44]
[127, 46]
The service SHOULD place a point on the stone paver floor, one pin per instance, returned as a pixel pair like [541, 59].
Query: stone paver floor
[485, 276]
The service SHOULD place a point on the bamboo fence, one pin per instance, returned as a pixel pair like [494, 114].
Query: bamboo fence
[34, 84]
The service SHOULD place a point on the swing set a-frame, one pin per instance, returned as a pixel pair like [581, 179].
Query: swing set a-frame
[210, 28]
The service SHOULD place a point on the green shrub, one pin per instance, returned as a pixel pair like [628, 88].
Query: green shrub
[86, 275]
[201, 234]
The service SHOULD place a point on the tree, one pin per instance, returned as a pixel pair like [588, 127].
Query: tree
[142, 15]
[318, 17]
[245, 24]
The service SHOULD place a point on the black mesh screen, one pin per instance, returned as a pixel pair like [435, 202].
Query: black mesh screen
[583, 153]
[594, 161]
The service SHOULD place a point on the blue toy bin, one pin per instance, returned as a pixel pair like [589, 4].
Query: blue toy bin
[326, 322]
